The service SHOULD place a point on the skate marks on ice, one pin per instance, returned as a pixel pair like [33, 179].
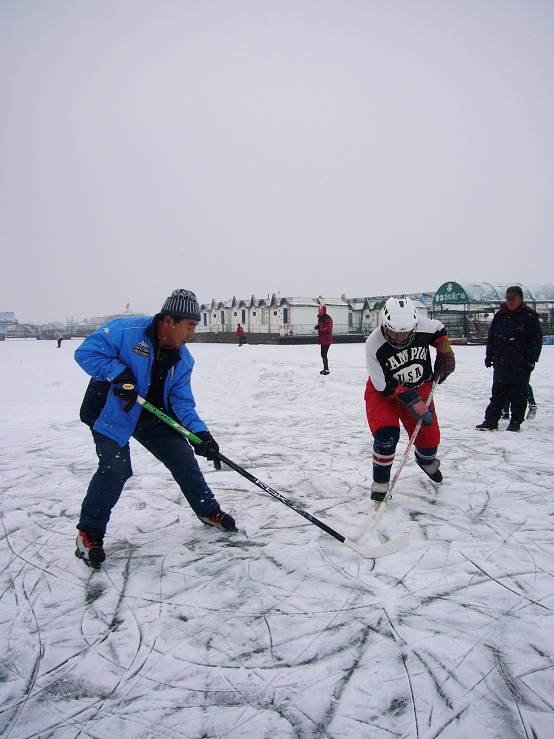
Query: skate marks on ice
[280, 631]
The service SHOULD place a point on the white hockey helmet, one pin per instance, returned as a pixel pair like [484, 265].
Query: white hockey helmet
[399, 322]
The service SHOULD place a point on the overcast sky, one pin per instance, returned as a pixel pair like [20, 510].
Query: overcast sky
[238, 148]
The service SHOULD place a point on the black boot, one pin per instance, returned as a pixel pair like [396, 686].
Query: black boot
[513, 426]
[488, 426]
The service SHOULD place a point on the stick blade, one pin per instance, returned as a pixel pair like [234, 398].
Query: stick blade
[379, 550]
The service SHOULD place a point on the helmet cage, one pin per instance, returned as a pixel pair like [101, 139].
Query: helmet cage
[398, 343]
[399, 316]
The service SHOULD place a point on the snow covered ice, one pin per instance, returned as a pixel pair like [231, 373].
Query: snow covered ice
[279, 630]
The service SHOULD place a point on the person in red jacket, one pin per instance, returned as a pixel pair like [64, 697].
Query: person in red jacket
[241, 335]
[325, 330]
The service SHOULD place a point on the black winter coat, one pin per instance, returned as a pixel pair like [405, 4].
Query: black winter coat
[514, 344]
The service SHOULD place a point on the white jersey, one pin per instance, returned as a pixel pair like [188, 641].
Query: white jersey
[389, 366]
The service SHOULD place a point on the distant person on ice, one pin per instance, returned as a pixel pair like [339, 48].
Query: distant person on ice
[59, 339]
[241, 336]
[514, 346]
[149, 353]
[325, 330]
[400, 379]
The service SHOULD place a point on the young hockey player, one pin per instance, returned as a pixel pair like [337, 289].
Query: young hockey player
[400, 380]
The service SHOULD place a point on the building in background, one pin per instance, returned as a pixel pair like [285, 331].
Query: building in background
[7, 319]
[281, 319]
[93, 323]
[272, 316]
[366, 311]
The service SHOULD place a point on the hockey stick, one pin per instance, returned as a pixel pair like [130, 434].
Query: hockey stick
[411, 441]
[371, 552]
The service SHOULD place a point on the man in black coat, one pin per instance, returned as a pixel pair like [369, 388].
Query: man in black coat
[513, 347]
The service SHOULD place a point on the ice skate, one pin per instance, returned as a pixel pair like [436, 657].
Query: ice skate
[220, 520]
[90, 548]
[378, 492]
[432, 470]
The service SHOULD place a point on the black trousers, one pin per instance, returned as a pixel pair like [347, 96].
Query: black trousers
[513, 393]
[530, 399]
[114, 469]
[324, 352]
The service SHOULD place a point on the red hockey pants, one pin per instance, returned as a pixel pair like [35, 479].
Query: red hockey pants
[383, 412]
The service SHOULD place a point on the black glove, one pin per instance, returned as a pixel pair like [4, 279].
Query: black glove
[529, 366]
[124, 387]
[488, 362]
[416, 406]
[209, 448]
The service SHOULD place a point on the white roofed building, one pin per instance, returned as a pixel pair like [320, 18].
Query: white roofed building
[258, 315]
[295, 316]
[366, 312]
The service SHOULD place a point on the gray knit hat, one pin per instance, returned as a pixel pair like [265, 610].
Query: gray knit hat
[182, 304]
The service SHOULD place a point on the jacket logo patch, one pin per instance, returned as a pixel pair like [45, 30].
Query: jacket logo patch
[141, 348]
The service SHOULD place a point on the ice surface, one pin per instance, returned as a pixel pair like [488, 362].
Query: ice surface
[278, 631]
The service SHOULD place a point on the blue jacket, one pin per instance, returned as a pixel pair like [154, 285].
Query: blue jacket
[123, 344]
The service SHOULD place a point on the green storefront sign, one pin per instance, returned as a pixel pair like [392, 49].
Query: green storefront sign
[452, 293]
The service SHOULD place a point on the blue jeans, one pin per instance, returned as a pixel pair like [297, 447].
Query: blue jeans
[114, 469]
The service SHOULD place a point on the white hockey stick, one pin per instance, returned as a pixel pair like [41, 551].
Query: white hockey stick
[375, 522]
[374, 551]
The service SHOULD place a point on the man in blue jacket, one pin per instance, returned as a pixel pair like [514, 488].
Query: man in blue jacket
[150, 354]
[513, 347]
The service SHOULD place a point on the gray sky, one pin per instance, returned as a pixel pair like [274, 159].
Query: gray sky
[306, 147]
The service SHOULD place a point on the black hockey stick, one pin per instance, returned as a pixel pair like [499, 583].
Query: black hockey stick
[371, 552]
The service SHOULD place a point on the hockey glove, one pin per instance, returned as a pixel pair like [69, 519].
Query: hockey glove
[124, 388]
[529, 366]
[445, 362]
[416, 406]
[209, 448]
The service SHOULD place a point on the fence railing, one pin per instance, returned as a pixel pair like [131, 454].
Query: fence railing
[474, 331]
[297, 329]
